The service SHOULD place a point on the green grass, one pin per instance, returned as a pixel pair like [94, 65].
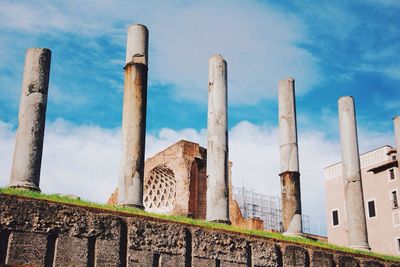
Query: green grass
[182, 219]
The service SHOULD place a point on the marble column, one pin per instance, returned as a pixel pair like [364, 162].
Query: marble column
[25, 172]
[130, 190]
[289, 159]
[396, 122]
[353, 193]
[217, 142]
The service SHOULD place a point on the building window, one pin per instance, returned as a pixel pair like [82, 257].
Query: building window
[398, 244]
[394, 199]
[371, 209]
[396, 219]
[391, 174]
[335, 217]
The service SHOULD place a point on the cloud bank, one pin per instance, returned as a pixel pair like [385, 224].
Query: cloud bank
[260, 51]
[84, 160]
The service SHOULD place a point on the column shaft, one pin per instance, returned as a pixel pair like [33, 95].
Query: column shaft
[217, 142]
[353, 194]
[130, 192]
[289, 159]
[396, 122]
[28, 149]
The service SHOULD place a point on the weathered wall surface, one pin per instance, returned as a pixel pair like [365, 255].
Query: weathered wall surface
[40, 233]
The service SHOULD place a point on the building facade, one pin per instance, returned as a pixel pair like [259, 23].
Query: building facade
[381, 184]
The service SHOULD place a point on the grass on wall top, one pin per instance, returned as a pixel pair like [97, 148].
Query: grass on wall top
[182, 219]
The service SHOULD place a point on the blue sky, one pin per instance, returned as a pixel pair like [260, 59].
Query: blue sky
[335, 49]
[331, 48]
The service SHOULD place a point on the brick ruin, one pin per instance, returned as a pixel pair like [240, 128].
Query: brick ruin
[43, 233]
[175, 183]
[175, 180]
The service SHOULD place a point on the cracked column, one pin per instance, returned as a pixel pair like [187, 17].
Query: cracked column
[130, 192]
[289, 159]
[217, 142]
[25, 172]
[396, 122]
[353, 194]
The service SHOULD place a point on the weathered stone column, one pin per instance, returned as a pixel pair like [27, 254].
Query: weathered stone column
[217, 142]
[353, 194]
[25, 172]
[289, 159]
[130, 191]
[396, 122]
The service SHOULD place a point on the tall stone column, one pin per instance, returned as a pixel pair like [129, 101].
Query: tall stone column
[289, 159]
[396, 122]
[353, 194]
[217, 142]
[28, 149]
[130, 190]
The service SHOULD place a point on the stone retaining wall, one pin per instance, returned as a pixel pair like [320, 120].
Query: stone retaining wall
[42, 233]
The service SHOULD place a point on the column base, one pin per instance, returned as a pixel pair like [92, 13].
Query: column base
[362, 247]
[26, 187]
[131, 205]
[293, 234]
[220, 221]
[295, 227]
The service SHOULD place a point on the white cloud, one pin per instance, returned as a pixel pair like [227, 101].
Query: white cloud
[259, 43]
[65, 98]
[391, 71]
[80, 160]
[260, 51]
[7, 137]
[84, 160]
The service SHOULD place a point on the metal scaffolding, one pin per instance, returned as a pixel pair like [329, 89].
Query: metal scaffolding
[264, 207]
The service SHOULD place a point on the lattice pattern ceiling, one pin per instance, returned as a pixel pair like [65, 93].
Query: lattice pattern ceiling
[159, 190]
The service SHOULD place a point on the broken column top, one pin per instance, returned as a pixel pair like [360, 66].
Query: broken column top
[41, 49]
[36, 72]
[215, 59]
[346, 98]
[289, 158]
[137, 44]
[216, 62]
[346, 104]
[348, 136]
[288, 79]
[396, 122]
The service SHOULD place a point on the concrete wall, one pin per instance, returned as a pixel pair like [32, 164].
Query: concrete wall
[384, 229]
[41, 233]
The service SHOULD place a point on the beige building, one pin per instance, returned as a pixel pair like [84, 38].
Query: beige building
[381, 184]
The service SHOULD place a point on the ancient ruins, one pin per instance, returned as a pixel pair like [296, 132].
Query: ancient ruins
[27, 161]
[175, 183]
[185, 178]
[217, 142]
[357, 230]
[134, 118]
[289, 159]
